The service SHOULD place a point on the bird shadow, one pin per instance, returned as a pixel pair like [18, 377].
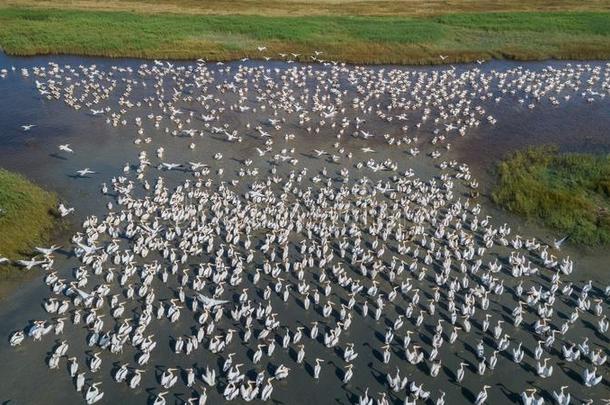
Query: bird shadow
[468, 394]
[512, 397]
[57, 156]
[570, 372]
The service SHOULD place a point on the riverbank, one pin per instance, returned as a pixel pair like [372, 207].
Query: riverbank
[569, 193]
[26, 218]
[459, 37]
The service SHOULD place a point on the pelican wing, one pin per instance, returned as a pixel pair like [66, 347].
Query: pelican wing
[210, 302]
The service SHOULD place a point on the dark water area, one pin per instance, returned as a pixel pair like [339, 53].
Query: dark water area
[575, 126]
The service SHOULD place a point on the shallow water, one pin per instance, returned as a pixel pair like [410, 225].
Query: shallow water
[107, 149]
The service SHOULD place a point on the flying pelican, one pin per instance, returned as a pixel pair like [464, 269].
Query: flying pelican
[47, 251]
[66, 148]
[29, 264]
[84, 172]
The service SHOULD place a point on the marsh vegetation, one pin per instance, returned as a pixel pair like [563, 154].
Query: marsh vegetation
[569, 193]
[26, 215]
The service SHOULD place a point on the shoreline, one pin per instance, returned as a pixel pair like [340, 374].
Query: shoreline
[258, 59]
[408, 63]
[30, 220]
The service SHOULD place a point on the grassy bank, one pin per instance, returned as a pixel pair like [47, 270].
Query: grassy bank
[358, 39]
[569, 193]
[25, 215]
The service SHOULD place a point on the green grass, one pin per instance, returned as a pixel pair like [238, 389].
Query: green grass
[25, 215]
[569, 193]
[357, 39]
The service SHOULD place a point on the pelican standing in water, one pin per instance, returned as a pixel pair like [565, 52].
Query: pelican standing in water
[317, 368]
[93, 394]
[482, 396]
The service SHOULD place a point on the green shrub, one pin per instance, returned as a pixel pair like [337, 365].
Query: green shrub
[567, 192]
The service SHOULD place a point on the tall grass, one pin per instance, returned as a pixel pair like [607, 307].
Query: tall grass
[358, 39]
[567, 192]
[25, 215]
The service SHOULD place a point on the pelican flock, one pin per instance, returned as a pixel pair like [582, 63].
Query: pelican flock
[327, 262]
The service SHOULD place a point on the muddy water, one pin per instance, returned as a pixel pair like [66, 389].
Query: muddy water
[106, 149]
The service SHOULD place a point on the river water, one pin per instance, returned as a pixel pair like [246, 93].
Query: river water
[575, 125]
